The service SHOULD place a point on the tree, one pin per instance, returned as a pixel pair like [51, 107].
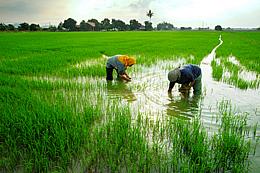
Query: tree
[52, 28]
[148, 26]
[164, 26]
[105, 24]
[150, 14]
[10, 27]
[3, 27]
[24, 27]
[119, 25]
[34, 27]
[218, 28]
[134, 25]
[85, 26]
[70, 24]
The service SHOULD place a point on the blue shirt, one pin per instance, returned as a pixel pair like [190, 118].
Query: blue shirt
[189, 73]
[113, 62]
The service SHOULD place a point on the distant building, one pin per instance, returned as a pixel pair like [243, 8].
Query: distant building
[244, 29]
[205, 28]
[185, 28]
[92, 24]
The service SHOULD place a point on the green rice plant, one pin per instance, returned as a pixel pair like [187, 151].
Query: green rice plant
[217, 70]
[36, 135]
[230, 145]
[244, 46]
[233, 70]
[52, 53]
[191, 149]
[118, 146]
[96, 70]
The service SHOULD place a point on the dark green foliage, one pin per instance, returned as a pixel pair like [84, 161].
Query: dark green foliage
[165, 26]
[218, 28]
[70, 24]
[24, 27]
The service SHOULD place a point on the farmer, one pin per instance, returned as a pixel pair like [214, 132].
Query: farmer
[120, 64]
[188, 75]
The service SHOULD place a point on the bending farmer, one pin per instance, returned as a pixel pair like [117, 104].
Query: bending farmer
[188, 75]
[120, 64]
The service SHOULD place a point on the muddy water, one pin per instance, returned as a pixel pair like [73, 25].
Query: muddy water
[147, 93]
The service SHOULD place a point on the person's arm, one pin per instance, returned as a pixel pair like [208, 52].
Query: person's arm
[125, 77]
[171, 85]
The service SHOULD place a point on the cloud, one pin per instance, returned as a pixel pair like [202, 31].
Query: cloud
[141, 4]
[32, 11]
[185, 12]
[17, 6]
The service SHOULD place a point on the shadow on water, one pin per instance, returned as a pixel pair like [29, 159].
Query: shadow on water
[119, 89]
[184, 107]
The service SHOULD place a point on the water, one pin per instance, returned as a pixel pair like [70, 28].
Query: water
[147, 93]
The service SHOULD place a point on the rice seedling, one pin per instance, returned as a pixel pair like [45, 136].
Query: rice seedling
[244, 46]
[234, 74]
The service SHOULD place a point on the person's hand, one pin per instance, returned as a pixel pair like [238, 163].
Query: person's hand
[125, 78]
[128, 80]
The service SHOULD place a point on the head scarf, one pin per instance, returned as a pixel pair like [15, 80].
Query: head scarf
[126, 60]
[174, 75]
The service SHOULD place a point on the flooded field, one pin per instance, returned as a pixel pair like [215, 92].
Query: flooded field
[149, 88]
[60, 114]
[148, 93]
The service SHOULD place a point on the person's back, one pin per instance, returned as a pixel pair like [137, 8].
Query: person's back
[193, 69]
[187, 75]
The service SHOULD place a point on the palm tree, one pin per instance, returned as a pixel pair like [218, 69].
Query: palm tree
[149, 14]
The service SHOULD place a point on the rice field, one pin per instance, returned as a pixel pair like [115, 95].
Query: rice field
[58, 113]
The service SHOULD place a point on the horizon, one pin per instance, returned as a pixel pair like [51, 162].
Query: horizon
[187, 13]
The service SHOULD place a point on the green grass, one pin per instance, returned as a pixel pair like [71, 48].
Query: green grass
[234, 71]
[244, 46]
[50, 121]
[51, 53]
[35, 134]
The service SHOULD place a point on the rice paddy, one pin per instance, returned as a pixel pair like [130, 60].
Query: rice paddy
[58, 113]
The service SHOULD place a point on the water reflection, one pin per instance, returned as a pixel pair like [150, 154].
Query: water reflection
[119, 89]
[184, 106]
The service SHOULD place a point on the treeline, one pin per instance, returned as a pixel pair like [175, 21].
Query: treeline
[90, 25]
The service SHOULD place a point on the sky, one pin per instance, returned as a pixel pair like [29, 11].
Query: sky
[187, 13]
